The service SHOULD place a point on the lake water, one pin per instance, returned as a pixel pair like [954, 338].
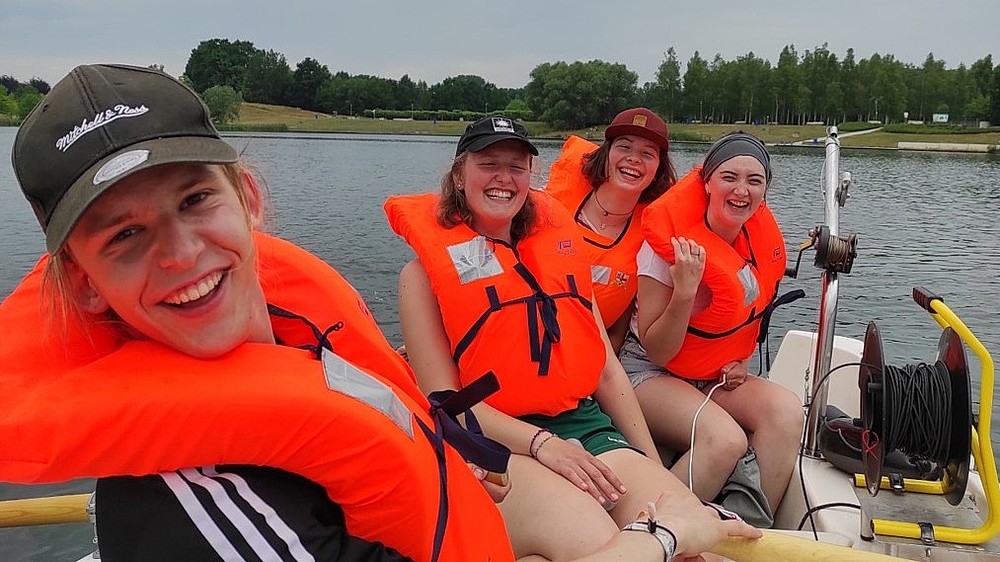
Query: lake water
[921, 219]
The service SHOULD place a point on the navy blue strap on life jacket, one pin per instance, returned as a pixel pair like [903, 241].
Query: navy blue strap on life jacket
[469, 441]
[436, 437]
[470, 336]
[764, 316]
[474, 447]
[541, 313]
[322, 336]
[763, 344]
[765, 320]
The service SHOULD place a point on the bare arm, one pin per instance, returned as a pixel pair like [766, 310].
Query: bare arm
[617, 331]
[617, 399]
[697, 529]
[664, 312]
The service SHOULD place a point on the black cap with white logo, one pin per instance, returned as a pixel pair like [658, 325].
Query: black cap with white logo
[100, 124]
[489, 130]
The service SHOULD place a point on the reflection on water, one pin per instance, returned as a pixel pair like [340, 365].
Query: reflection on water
[921, 219]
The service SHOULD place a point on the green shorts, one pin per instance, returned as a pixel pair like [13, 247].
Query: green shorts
[586, 424]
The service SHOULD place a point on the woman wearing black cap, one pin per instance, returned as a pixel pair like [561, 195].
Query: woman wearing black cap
[607, 187]
[709, 267]
[501, 283]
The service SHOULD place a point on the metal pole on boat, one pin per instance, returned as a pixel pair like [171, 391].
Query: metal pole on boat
[829, 296]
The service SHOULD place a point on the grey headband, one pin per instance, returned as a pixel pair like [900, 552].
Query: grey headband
[731, 146]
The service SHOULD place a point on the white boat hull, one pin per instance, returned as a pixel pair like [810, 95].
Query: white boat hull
[826, 484]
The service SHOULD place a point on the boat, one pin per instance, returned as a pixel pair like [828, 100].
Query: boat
[856, 492]
[855, 483]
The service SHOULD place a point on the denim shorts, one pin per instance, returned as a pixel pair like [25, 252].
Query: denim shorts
[639, 369]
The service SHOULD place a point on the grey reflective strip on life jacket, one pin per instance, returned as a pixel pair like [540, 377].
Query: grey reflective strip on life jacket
[474, 260]
[600, 274]
[348, 379]
[749, 281]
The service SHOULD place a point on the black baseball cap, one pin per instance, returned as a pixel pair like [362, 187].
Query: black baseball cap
[99, 125]
[489, 130]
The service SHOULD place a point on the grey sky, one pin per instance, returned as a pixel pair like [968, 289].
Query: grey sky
[500, 41]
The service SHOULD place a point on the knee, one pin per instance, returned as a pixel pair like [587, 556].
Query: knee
[785, 414]
[727, 442]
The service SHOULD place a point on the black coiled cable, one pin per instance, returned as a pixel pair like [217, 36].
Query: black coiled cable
[918, 403]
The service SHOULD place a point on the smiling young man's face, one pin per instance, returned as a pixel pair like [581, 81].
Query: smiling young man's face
[170, 251]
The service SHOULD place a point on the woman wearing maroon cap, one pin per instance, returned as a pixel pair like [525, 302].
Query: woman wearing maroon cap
[607, 187]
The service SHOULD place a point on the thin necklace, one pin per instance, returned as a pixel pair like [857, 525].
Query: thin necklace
[606, 213]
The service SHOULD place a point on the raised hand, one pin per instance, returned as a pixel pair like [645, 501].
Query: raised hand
[688, 266]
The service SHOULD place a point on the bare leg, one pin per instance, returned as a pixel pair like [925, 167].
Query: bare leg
[669, 405]
[772, 417]
[547, 516]
[645, 480]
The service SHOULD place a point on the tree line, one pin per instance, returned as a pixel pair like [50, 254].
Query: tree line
[17, 98]
[815, 86]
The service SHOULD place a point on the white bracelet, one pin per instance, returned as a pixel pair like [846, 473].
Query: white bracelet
[666, 537]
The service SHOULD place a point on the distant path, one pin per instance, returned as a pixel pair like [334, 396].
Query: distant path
[841, 135]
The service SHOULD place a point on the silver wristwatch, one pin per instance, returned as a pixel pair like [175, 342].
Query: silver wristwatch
[666, 537]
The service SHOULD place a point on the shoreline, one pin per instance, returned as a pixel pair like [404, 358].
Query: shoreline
[951, 146]
[778, 136]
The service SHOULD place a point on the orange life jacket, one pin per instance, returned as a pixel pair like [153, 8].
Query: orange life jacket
[522, 312]
[743, 279]
[355, 423]
[612, 261]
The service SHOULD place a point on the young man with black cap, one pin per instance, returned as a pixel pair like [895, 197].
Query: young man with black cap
[162, 352]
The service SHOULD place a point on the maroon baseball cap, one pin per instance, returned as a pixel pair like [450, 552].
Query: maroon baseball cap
[640, 122]
[99, 125]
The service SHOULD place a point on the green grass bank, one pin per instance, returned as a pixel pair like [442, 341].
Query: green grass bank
[260, 117]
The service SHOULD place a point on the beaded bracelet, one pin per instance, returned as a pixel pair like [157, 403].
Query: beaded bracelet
[541, 443]
[531, 444]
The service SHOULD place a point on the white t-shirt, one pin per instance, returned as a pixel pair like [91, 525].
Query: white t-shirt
[650, 264]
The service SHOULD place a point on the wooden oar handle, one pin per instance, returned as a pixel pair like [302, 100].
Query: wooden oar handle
[44, 511]
[779, 547]
[772, 547]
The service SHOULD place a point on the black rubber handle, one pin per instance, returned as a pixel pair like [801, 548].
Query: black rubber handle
[923, 297]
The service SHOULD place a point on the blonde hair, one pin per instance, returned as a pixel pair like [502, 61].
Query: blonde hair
[62, 308]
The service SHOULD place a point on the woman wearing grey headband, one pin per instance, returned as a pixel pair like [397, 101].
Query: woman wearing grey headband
[710, 264]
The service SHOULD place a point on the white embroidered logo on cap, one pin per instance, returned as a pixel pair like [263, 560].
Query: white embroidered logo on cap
[501, 125]
[119, 165]
[101, 119]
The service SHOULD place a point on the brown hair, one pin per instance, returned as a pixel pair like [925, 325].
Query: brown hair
[57, 293]
[453, 209]
[595, 169]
